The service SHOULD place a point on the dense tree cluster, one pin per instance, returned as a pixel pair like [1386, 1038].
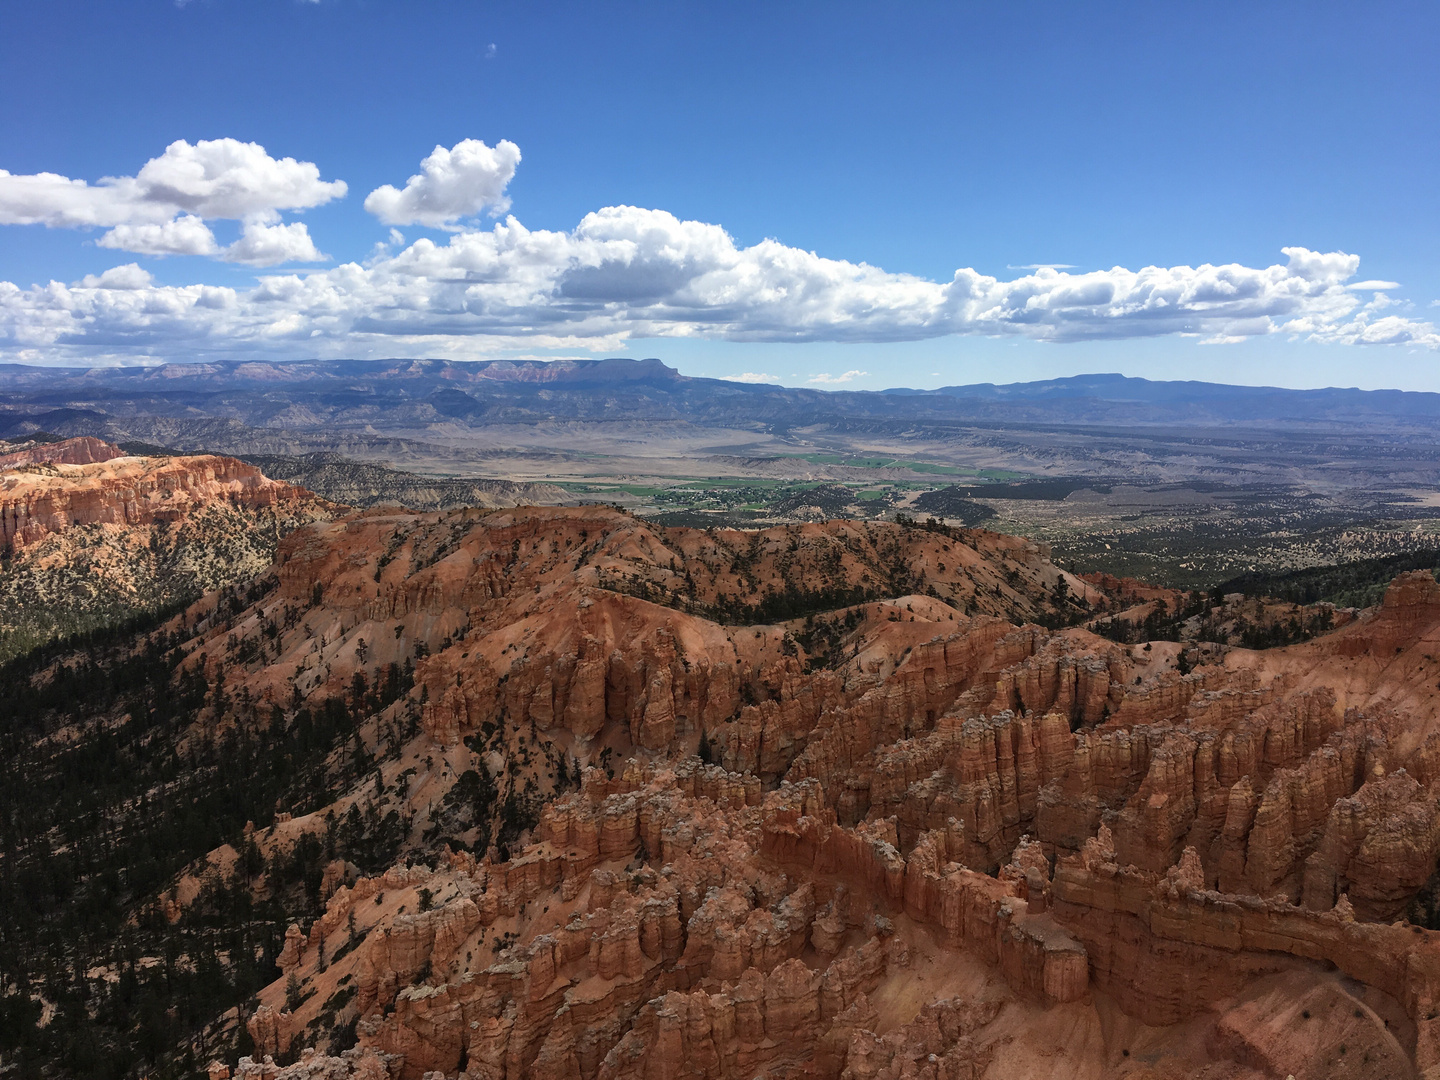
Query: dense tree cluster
[114, 777]
[1351, 584]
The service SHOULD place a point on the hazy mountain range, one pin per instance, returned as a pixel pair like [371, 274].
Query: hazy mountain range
[406, 393]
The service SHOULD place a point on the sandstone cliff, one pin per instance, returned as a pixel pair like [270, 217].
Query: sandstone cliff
[114, 490]
[92, 538]
[86, 450]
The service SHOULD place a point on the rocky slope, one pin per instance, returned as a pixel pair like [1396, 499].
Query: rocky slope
[823, 800]
[90, 536]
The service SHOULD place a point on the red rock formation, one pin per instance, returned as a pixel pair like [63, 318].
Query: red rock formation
[86, 450]
[128, 491]
[352, 1065]
[293, 951]
[270, 1031]
[765, 859]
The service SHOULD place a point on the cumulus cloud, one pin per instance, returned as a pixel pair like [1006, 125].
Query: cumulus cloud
[162, 209]
[1362, 330]
[623, 272]
[129, 276]
[186, 235]
[626, 272]
[268, 245]
[826, 377]
[750, 377]
[218, 178]
[457, 183]
[225, 178]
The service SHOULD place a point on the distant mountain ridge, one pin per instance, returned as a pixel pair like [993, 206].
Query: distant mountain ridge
[1242, 402]
[415, 391]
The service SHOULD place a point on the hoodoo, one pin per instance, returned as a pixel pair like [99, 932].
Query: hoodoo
[824, 800]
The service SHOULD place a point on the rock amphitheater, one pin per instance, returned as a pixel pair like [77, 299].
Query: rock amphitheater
[962, 846]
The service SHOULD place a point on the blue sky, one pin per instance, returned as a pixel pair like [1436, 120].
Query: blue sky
[767, 151]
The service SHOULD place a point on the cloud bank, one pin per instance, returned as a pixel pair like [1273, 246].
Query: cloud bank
[163, 209]
[623, 272]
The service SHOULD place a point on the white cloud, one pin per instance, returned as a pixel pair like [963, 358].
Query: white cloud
[623, 272]
[1041, 266]
[163, 208]
[750, 377]
[225, 178]
[129, 276]
[61, 203]
[626, 272]
[1361, 330]
[826, 377]
[219, 178]
[453, 184]
[268, 245]
[186, 235]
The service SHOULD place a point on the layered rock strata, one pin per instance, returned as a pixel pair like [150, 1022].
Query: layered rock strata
[126, 491]
[86, 450]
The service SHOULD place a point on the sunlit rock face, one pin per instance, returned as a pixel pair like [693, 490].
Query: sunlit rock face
[92, 538]
[88, 482]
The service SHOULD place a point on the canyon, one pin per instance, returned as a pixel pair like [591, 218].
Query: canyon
[553, 792]
[899, 829]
